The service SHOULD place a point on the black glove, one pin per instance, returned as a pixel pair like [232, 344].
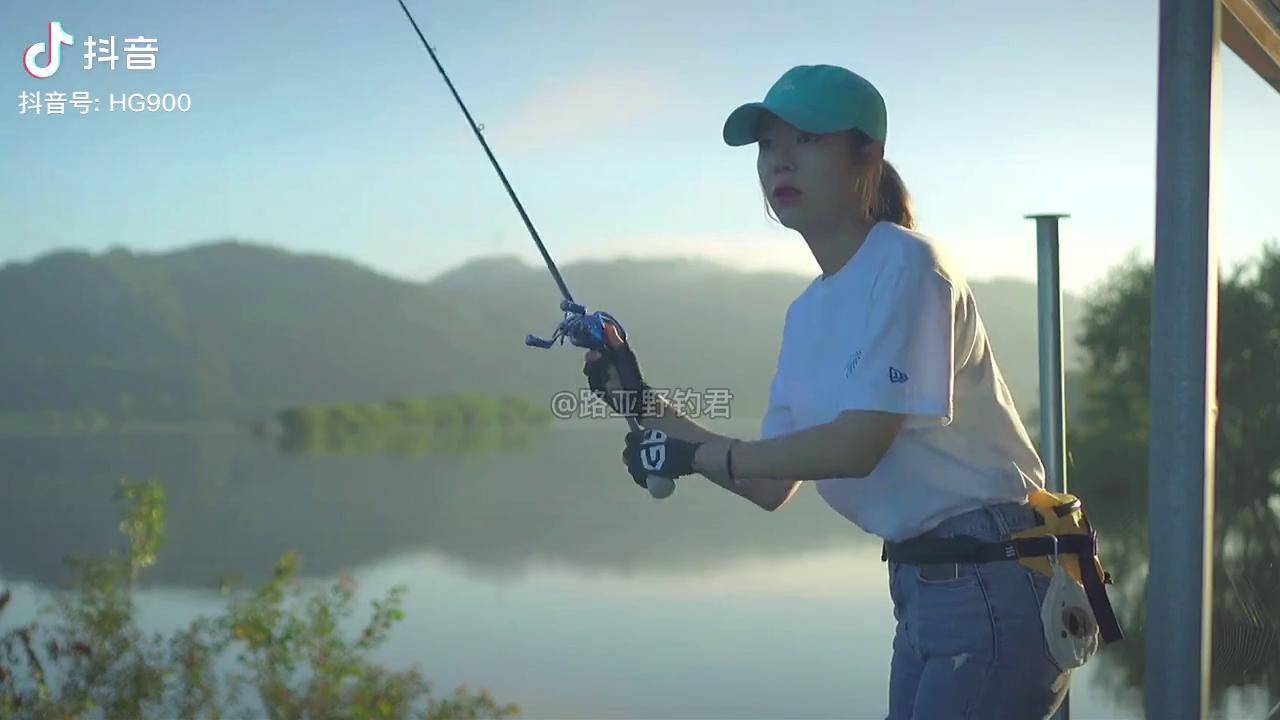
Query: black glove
[628, 401]
[653, 452]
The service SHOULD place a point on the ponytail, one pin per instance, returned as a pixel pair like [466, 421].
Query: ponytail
[891, 200]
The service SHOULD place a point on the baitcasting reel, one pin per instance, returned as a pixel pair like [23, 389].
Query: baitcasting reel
[587, 331]
[582, 329]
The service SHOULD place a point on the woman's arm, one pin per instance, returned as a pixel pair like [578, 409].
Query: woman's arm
[766, 493]
[849, 446]
[672, 422]
[769, 470]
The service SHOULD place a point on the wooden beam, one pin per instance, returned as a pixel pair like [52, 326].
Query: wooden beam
[1251, 28]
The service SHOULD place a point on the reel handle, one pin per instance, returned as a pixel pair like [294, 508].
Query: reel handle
[534, 341]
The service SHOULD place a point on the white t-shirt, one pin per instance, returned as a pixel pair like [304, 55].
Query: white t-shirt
[896, 329]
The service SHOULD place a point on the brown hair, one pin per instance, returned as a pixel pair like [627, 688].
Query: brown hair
[891, 201]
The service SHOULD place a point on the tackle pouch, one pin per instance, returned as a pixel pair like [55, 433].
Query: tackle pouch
[1063, 535]
[1070, 626]
[1062, 545]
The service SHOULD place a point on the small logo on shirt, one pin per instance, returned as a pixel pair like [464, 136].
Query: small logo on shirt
[852, 365]
[896, 375]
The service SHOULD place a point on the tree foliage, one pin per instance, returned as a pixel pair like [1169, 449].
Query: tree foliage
[94, 660]
[1108, 442]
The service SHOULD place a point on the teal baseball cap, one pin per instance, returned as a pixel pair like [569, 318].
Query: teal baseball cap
[816, 99]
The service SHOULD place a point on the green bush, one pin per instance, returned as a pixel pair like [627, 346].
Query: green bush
[95, 661]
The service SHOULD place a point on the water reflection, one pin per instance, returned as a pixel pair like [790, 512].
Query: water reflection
[237, 505]
[450, 441]
[559, 525]
[1245, 651]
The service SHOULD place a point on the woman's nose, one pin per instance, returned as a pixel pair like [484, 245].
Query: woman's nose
[782, 160]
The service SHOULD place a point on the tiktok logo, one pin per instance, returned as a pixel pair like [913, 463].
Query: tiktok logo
[57, 39]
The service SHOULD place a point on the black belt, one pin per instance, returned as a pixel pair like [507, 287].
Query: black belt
[963, 549]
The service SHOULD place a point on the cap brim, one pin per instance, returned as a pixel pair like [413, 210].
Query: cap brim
[741, 126]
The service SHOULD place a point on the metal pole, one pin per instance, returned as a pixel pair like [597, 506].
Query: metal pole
[1049, 308]
[1184, 337]
[1053, 433]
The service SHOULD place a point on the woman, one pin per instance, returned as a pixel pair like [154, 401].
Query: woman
[888, 397]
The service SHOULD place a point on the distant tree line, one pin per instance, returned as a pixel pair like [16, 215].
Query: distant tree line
[451, 421]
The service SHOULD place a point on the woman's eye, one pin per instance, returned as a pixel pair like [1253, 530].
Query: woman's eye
[802, 137]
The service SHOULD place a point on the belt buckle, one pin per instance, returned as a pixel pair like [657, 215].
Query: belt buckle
[936, 572]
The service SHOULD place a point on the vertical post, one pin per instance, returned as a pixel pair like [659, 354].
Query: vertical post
[1184, 339]
[1049, 310]
[1053, 433]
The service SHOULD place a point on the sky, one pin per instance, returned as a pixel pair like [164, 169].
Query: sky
[324, 127]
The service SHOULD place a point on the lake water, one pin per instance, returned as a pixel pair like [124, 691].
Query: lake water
[542, 573]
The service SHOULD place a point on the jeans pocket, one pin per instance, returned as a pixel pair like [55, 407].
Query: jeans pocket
[1039, 583]
[946, 575]
[895, 596]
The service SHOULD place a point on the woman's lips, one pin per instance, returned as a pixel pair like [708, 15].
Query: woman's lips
[787, 195]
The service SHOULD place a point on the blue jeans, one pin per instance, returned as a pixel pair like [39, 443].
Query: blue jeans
[969, 641]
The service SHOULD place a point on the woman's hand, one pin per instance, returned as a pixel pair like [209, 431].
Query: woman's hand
[614, 375]
[653, 452]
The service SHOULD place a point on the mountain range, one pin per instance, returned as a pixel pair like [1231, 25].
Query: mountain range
[234, 329]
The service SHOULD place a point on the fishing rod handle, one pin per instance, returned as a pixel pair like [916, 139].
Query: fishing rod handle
[660, 486]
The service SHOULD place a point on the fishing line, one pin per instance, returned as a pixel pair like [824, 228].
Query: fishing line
[564, 290]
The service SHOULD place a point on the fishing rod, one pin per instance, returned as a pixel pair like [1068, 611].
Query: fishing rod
[582, 329]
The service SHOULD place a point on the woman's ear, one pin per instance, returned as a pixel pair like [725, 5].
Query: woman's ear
[873, 151]
[865, 150]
